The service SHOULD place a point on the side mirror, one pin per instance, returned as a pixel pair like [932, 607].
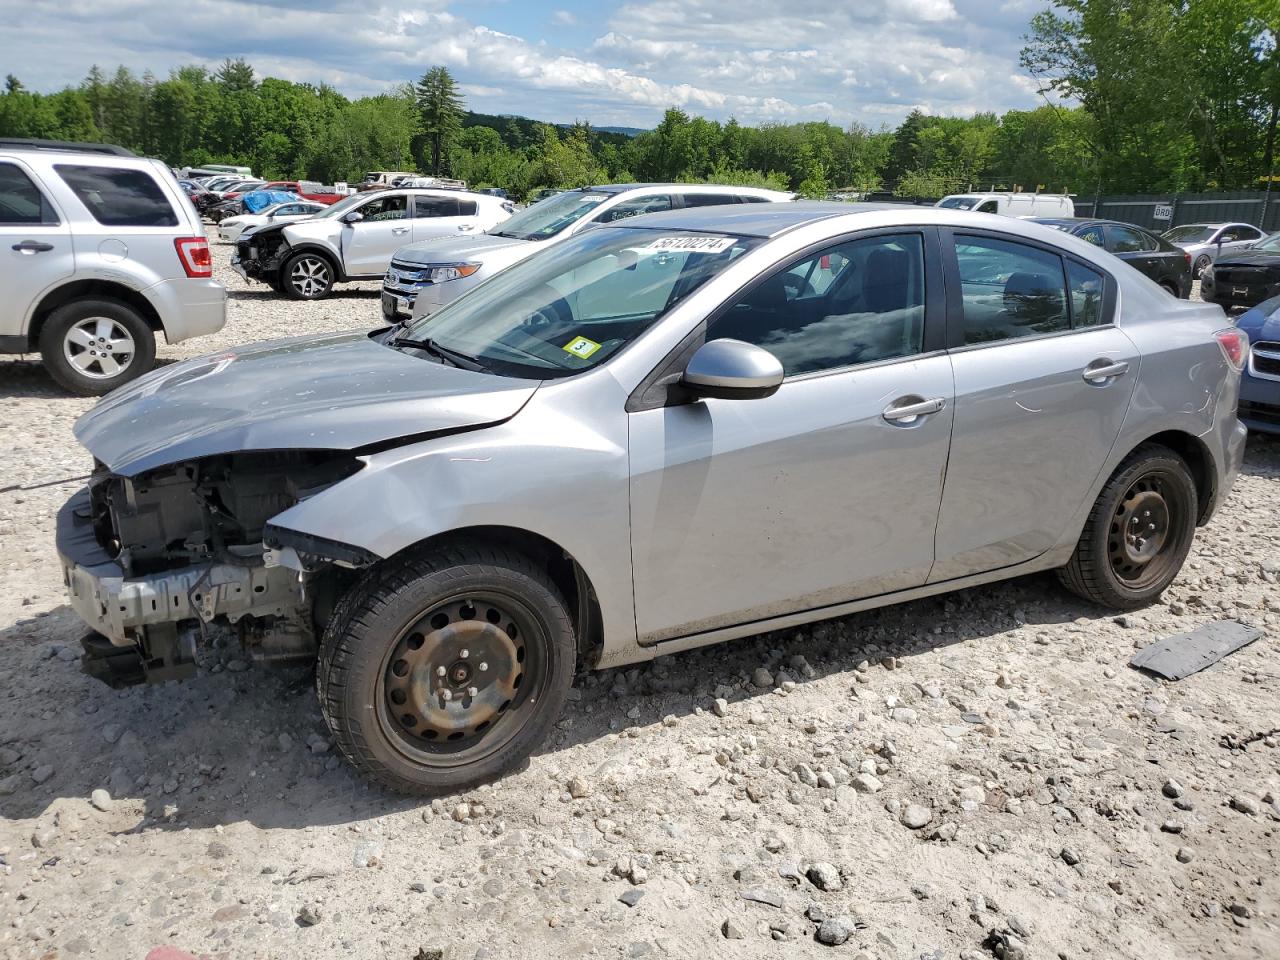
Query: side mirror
[732, 370]
[355, 216]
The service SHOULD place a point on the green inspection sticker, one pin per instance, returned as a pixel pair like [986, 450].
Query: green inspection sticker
[581, 347]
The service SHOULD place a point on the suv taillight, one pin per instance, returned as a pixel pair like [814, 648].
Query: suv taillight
[1234, 344]
[194, 254]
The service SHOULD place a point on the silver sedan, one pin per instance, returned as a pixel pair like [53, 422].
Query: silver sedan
[660, 434]
[1206, 241]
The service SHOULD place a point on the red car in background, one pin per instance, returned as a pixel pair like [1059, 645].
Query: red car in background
[307, 190]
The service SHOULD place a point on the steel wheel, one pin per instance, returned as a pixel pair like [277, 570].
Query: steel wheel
[455, 682]
[1138, 533]
[310, 276]
[99, 348]
[446, 668]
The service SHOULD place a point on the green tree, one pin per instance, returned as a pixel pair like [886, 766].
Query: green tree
[440, 105]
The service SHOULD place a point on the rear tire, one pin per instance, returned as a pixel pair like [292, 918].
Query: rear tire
[1202, 261]
[90, 347]
[1138, 533]
[446, 669]
[1171, 289]
[307, 276]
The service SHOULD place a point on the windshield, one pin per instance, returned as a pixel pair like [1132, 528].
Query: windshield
[548, 217]
[1191, 233]
[578, 303]
[958, 203]
[342, 206]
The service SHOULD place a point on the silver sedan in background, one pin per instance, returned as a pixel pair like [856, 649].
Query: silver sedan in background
[665, 432]
[1205, 241]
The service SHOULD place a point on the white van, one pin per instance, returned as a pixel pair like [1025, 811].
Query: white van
[1012, 204]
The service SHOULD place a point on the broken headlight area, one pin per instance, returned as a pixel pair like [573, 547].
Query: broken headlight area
[162, 563]
[261, 253]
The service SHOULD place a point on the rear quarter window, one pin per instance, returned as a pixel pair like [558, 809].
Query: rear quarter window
[119, 197]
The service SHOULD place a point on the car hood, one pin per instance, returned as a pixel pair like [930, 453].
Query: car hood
[447, 249]
[1262, 322]
[1251, 258]
[335, 392]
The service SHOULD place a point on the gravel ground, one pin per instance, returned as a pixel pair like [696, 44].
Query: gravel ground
[969, 776]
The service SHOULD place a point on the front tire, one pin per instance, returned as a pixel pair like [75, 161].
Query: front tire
[446, 669]
[90, 347]
[1138, 533]
[307, 276]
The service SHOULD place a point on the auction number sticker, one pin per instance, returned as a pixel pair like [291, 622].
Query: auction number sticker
[687, 244]
[581, 347]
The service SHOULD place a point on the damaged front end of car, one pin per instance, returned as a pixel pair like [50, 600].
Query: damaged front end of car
[261, 253]
[161, 563]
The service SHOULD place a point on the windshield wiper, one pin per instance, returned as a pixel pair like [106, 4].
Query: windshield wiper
[452, 357]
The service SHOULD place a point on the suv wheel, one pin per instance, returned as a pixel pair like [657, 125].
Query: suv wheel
[1138, 533]
[92, 346]
[446, 669]
[307, 276]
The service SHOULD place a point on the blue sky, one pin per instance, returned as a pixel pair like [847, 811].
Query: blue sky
[613, 62]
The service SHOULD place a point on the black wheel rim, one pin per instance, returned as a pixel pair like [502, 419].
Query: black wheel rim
[462, 679]
[1145, 541]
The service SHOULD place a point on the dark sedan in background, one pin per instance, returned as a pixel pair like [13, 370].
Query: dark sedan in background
[1260, 382]
[1244, 278]
[1159, 259]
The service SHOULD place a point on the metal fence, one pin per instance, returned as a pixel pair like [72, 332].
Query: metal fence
[1159, 212]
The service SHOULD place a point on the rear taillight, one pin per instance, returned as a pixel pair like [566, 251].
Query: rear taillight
[1187, 257]
[193, 253]
[1234, 344]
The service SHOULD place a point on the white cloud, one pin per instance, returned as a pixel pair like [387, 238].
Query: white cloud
[758, 60]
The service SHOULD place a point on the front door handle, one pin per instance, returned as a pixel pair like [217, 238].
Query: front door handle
[901, 411]
[32, 246]
[1104, 369]
[399, 229]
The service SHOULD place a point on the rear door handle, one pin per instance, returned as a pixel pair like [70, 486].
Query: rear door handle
[900, 412]
[32, 246]
[1104, 369]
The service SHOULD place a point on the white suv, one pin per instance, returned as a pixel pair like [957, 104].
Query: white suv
[100, 251]
[425, 276]
[355, 238]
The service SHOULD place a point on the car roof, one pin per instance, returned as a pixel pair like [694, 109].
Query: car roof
[761, 219]
[616, 188]
[1089, 221]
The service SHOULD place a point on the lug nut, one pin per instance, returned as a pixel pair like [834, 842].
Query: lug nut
[464, 654]
[446, 695]
[472, 691]
[483, 666]
[440, 671]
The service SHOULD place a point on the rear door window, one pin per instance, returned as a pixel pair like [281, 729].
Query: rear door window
[118, 197]
[709, 199]
[1093, 235]
[425, 207]
[21, 201]
[1009, 290]
[1128, 240]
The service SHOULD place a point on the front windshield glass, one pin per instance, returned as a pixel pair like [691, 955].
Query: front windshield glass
[548, 217]
[1191, 233]
[580, 302]
[342, 206]
[958, 203]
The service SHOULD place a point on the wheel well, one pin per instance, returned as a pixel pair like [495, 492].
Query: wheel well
[96, 290]
[565, 572]
[1199, 460]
